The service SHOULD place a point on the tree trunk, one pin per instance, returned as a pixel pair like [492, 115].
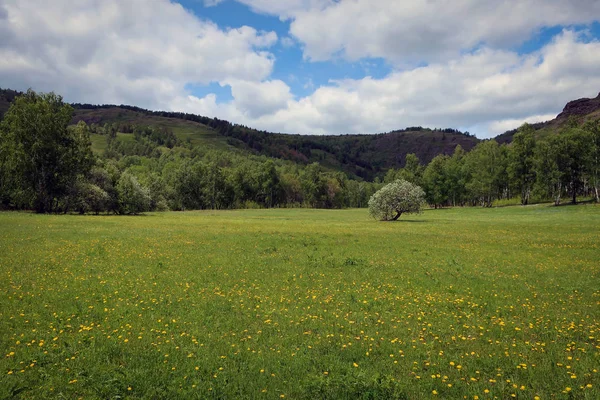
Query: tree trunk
[525, 197]
[397, 216]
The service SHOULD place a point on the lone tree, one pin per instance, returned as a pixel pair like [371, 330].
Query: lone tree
[397, 198]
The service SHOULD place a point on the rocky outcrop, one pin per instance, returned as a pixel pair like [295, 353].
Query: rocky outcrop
[579, 107]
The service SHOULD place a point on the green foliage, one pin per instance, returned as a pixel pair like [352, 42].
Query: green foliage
[40, 157]
[86, 197]
[521, 162]
[396, 198]
[565, 162]
[549, 177]
[455, 177]
[133, 198]
[593, 129]
[435, 181]
[485, 167]
[170, 157]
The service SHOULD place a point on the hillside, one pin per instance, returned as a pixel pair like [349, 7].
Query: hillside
[580, 111]
[6, 97]
[197, 133]
[364, 156]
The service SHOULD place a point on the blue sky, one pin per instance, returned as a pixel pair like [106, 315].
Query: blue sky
[301, 75]
[312, 66]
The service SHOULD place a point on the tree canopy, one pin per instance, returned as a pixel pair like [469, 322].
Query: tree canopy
[40, 156]
[396, 198]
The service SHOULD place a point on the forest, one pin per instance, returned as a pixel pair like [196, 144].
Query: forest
[47, 165]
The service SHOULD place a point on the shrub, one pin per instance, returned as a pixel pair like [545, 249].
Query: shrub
[133, 198]
[397, 198]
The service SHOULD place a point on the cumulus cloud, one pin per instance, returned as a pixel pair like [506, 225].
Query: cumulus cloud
[257, 99]
[406, 32]
[485, 91]
[115, 51]
[110, 51]
[287, 9]
[498, 127]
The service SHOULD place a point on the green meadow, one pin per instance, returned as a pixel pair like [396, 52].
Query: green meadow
[302, 304]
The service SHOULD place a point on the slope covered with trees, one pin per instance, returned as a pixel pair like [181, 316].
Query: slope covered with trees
[362, 156]
[156, 161]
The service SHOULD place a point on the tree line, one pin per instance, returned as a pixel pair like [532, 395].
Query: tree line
[47, 165]
[566, 164]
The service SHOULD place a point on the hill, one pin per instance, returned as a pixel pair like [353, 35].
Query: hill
[364, 156]
[358, 155]
[6, 97]
[186, 130]
[579, 111]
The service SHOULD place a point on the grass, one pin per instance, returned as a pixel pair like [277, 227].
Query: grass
[302, 304]
[99, 143]
[198, 134]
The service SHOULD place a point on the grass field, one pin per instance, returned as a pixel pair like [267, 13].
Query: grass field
[302, 304]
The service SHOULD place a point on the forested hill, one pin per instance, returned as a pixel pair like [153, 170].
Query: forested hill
[365, 156]
[6, 97]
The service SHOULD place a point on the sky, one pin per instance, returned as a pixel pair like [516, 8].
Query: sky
[312, 66]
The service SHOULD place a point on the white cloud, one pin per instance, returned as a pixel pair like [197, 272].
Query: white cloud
[286, 9]
[484, 92]
[407, 32]
[110, 51]
[498, 127]
[115, 51]
[256, 99]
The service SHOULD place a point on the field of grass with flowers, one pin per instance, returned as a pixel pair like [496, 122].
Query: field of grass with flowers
[302, 304]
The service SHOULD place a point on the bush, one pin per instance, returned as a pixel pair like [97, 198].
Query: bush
[133, 198]
[397, 198]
